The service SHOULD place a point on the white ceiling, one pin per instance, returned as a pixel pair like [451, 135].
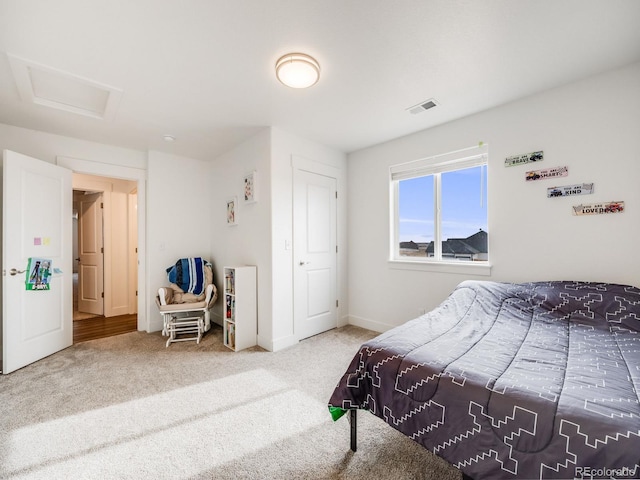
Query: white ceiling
[203, 70]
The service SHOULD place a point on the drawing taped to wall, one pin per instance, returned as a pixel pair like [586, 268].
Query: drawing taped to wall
[38, 274]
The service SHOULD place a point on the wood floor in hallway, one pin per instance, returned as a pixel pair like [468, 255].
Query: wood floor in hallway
[100, 327]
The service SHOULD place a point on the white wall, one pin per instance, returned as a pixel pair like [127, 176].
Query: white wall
[264, 227]
[592, 126]
[47, 146]
[248, 242]
[185, 214]
[179, 218]
[104, 158]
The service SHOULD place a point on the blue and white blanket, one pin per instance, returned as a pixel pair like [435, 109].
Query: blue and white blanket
[188, 274]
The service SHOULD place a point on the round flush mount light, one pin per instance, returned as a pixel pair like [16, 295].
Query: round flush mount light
[297, 70]
[169, 138]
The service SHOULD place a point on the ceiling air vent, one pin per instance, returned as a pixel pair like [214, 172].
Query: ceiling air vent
[422, 106]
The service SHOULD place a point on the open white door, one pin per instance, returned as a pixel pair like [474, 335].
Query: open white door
[91, 254]
[36, 223]
[315, 253]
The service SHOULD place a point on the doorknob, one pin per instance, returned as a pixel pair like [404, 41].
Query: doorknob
[303, 263]
[14, 271]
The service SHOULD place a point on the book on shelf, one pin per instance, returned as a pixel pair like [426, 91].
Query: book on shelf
[229, 285]
[230, 307]
[228, 302]
[231, 331]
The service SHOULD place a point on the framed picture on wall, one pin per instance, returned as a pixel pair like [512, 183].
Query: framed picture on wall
[249, 188]
[232, 211]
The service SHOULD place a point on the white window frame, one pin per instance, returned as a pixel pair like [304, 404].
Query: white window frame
[435, 165]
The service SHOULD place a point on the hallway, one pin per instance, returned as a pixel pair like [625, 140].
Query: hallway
[87, 326]
[100, 327]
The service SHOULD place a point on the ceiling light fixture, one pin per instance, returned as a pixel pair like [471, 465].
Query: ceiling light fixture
[169, 138]
[297, 70]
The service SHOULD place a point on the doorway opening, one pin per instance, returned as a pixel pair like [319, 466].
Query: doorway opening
[104, 257]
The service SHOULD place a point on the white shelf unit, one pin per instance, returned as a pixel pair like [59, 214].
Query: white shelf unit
[240, 322]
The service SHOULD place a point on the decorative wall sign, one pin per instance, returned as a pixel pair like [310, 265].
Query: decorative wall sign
[249, 188]
[38, 273]
[547, 173]
[232, 206]
[599, 208]
[525, 158]
[570, 190]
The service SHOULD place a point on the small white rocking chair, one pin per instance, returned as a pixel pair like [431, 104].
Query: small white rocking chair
[189, 319]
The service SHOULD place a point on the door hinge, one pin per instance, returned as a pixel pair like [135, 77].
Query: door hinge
[136, 293]
[336, 248]
[336, 194]
[136, 249]
[102, 295]
[101, 249]
[336, 303]
[101, 205]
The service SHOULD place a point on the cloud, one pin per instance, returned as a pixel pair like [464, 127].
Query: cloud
[417, 221]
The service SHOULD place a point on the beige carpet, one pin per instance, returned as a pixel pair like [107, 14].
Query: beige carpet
[127, 407]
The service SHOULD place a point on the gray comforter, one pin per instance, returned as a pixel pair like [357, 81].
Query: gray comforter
[535, 380]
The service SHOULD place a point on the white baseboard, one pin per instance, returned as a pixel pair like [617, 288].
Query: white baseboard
[288, 341]
[216, 318]
[278, 344]
[265, 343]
[369, 324]
[284, 342]
[155, 325]
[343, 321]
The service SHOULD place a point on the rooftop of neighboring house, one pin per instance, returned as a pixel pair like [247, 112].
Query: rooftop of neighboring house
[474, 244]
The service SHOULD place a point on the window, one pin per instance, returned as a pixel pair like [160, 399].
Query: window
[439, 207]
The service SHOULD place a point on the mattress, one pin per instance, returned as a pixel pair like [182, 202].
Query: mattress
[530, 380]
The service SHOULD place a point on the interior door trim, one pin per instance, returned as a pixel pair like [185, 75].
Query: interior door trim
[78, 165]
[301, 163]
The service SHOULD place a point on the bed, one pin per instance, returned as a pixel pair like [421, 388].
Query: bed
[531, 380]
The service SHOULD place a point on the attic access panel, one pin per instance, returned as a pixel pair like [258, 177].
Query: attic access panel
[50, 87]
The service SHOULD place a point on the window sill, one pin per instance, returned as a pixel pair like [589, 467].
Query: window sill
[470, 268]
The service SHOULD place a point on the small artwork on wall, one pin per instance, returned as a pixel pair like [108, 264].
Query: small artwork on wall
[524, 158]
[232, 211]
[546, 173]
[569, 190]
[599, 208]
[250, 188]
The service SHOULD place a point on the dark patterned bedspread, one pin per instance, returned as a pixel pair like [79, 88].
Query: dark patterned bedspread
[535, 380]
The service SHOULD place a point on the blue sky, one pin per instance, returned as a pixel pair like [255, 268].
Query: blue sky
[464, 205]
